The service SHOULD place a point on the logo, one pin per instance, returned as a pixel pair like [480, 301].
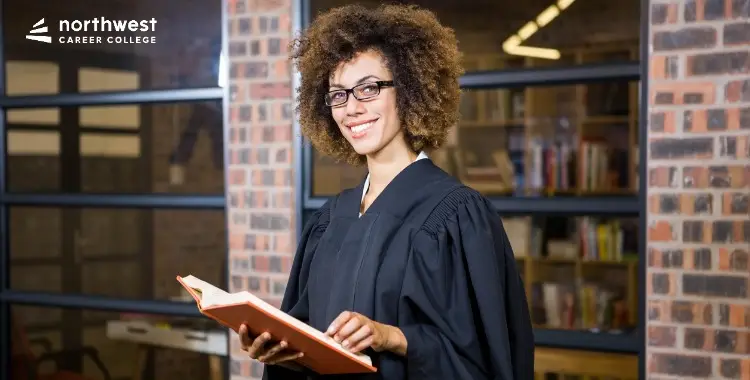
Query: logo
[34, 30]
[100, 30]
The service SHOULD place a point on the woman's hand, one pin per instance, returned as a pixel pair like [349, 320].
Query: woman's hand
[274, 354]
[356, 332]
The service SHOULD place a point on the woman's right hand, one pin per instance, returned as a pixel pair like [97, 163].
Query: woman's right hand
[260, 350]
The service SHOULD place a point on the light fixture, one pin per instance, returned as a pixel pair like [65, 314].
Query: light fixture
[512, 45]
[562, 4]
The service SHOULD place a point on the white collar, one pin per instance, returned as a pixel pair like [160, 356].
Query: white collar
[422, 155]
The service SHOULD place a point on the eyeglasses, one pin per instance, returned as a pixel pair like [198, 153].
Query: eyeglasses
[361, 92]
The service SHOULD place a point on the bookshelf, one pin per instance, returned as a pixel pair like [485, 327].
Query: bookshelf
[567, 140]
[583, 276]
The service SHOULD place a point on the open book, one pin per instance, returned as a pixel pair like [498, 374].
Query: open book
[322, 354]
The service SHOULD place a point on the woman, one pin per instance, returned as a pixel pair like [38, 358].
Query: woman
[410, 267]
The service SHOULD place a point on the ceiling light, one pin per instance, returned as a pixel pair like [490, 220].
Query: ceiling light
[536, 52]
[547, 15]
[527, 30]
[512, 45]
[562, 4]
[512, 42]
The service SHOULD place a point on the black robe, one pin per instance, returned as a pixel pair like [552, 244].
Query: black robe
[429, 256]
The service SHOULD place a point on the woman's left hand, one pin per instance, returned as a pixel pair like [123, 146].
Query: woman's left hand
[356, 332]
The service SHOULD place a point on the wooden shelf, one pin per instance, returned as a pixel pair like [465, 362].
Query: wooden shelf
[593, 364]
[582, 262]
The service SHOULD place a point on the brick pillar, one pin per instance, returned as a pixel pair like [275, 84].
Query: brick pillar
[260, 184]
[698, 301]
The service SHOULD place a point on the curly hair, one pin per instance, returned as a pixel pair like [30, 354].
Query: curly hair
[421, 54]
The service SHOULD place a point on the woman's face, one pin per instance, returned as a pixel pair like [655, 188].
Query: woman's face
[369, 124]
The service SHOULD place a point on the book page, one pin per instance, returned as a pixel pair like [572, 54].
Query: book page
[209, 294]
[213, 296]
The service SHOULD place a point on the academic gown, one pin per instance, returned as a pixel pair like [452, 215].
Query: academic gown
[429, 256]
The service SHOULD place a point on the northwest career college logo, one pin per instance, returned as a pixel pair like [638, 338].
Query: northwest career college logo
[39, 30]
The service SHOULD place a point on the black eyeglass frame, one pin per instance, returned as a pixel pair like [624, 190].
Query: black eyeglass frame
[348, 91]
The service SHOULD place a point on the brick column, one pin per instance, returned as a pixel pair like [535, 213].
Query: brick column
[698, 302]
[260, 184]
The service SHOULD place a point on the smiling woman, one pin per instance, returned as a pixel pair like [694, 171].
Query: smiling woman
[420, 57]
[410, 266]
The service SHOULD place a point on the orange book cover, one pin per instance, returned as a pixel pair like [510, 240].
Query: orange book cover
[322, 354]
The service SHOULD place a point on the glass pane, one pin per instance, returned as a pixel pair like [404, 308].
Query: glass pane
[32, 77]
[580, 273]
[126, 253]
[329, 177]
[64, 343]
[141, 148]
[112, 46]
[498, 34]
[543, 141]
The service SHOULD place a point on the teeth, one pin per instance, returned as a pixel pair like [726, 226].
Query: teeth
[362, 127]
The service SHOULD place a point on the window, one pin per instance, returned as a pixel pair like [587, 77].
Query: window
[138, 148]
[123, 253]
[113, 186]
[88, 342]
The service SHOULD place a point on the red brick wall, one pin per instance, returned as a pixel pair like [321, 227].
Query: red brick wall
[698, 301]
[260, 172]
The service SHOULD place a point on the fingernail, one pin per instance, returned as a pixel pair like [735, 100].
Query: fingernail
[330, 329]
[345, 344]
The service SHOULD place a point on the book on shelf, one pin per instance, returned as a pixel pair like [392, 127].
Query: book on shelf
[525, 238]
[612, 240]
[584, 238]
[322, 354]
[603, 167]
[586, 306]
[552, 165]
[592, 166]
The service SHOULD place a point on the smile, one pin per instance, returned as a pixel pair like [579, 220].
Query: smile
[359, 129]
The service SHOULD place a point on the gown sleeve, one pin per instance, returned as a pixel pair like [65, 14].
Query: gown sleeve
[295, 301]
[466, 307]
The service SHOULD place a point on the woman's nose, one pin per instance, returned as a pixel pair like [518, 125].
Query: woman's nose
[354, 106]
